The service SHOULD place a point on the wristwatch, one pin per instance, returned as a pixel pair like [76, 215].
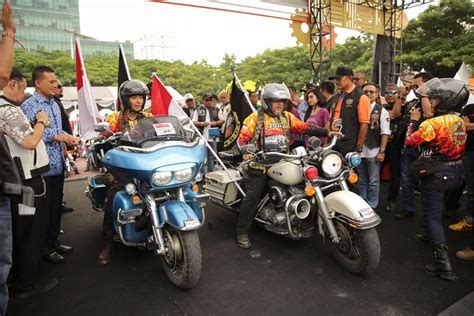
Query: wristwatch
[45, 124]
[382, 151]
[359, 149]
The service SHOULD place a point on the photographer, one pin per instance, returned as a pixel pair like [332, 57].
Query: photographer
[409, 154]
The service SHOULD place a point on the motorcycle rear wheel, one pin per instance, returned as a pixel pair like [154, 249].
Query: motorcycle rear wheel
[182, 259]
[358, 251]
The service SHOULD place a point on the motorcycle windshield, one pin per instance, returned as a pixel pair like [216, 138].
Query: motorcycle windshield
[156, 129]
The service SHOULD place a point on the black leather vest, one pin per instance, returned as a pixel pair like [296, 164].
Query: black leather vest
[372, 139]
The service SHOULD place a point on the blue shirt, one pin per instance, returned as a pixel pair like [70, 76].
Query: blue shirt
[55, 149]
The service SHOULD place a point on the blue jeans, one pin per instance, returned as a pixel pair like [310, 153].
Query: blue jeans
[468, 163]
[409, 155]
[369, 180]
[433, 188]
[210, 158]
[5, 251]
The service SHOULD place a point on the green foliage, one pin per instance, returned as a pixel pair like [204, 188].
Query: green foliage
[356, 52]
[441, 38]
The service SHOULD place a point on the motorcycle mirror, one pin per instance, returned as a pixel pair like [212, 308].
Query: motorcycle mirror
[314, 142]
[184, 121]
[337, 124]
[102, 127]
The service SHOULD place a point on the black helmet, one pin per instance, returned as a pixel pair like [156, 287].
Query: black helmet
[132, 87]
[272, 92]
[452, 92]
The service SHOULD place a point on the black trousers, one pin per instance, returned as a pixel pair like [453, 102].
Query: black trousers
[248, 209]
[108, 223]
[29, 237]
[393, 156]
[54, 196]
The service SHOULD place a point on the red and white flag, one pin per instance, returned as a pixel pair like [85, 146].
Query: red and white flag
[162, 103]
[88, 113]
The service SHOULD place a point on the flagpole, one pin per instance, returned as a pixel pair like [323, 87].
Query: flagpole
[209, 147]
[245, 93]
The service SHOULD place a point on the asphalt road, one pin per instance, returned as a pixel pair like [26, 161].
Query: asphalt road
[277, 276]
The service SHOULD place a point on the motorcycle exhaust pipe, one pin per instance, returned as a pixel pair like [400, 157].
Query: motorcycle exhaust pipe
[300, 207]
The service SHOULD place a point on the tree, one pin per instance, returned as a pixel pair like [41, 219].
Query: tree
[441, 38]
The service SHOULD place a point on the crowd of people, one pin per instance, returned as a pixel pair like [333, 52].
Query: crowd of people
[35, 132]
[425, 141]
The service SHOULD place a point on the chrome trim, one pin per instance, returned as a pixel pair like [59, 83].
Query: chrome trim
[159, 146]
[120, 233]
[368, 223]
[324, 211]
[151, 205]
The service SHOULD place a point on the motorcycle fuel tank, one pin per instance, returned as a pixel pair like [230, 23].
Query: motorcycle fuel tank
[287, 172]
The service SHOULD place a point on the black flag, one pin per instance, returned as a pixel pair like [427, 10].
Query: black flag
[123, 73]
[240, 110]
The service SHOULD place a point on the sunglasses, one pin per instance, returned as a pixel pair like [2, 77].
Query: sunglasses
[356, 79]
[59, 86]
[414, 86]
[391, 92]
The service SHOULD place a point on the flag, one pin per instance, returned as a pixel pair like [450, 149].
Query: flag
[123, 73]
[240, 109]
[162, 103]
[88, 113]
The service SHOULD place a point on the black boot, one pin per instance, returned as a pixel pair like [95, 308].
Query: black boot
[442, 265]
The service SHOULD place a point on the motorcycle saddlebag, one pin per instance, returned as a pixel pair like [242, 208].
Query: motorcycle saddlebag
[220, 186]
[96, 191]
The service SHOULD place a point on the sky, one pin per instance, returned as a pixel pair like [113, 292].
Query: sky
[193, 34]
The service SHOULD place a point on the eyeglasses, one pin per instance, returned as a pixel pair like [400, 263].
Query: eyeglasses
[391, 92]
[370, 92]
[356, 79]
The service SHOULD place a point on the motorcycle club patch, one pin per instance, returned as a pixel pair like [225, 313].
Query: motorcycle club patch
[349, 103]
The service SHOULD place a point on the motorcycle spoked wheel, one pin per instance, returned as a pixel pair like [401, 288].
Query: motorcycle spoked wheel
[358, 251]
[182, 258]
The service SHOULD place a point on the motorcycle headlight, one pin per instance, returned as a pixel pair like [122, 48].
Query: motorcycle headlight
[353, 159]
[332, 165]
[161, 178]
[184, 175]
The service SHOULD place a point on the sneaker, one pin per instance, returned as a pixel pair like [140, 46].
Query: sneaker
[391, 206]
[243, 241]
[465, 254]
[39, 287]
[461, 225]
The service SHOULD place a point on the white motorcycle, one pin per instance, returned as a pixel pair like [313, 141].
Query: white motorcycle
[308, 189]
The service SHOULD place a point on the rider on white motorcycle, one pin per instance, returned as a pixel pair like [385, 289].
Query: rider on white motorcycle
[266, 130]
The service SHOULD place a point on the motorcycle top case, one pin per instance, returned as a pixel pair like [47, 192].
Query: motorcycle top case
[220, 186]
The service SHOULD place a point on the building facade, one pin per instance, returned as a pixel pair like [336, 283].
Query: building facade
[52, 25]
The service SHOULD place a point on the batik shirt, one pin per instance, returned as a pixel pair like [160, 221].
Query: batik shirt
[274, 132]
[55, 149]
[119, 121]
[442, 137]
[13, 122]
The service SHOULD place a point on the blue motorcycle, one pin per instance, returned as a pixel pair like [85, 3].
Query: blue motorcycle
[160, 206]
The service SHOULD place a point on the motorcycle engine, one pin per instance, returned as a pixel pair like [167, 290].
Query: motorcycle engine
[278, 195]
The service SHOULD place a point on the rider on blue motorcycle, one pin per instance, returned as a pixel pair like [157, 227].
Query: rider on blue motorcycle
[132, 95]
[268, 129]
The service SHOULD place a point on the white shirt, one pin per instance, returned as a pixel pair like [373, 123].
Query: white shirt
[384, 130]
[221, 116]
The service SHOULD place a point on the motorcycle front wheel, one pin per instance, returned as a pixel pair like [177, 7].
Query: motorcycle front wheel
[182, 259]
[358, 251]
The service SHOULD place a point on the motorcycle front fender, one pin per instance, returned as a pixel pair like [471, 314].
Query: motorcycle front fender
[180, 215]
[352, 209]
